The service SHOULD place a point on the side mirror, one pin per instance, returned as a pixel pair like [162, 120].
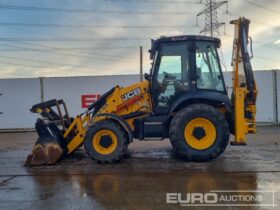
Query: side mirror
[147, 76]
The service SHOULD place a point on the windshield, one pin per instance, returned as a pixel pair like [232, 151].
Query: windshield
[209, 75]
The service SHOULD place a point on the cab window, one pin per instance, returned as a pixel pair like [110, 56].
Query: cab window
[209, 75]
[172, 76]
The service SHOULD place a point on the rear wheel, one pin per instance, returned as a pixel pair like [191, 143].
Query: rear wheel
[106, 142]
[199, 133]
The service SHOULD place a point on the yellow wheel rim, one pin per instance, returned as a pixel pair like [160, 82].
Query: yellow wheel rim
[200, 133]
[98, 142]
[106, 185]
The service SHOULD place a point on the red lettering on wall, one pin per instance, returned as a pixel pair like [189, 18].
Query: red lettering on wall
[87, 100]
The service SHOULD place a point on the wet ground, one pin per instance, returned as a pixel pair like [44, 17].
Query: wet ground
[143, 179]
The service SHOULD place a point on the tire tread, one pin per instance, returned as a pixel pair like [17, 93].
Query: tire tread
[174, 132]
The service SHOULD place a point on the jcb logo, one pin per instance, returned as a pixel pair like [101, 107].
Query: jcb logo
[131, 94]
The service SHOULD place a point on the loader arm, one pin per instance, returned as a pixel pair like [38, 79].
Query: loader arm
[244, 86]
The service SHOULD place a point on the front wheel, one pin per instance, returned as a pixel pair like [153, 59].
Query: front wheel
[106, 142]
[199, 132]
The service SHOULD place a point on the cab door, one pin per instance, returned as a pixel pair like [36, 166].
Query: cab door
[170, 76]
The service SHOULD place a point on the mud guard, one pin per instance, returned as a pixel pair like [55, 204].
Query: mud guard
[121, 122]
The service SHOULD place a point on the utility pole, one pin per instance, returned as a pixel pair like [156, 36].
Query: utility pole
[41, 79]
[212, 24]
[141, 64]
[1, 95]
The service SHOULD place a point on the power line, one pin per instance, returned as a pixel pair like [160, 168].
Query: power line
[156, 2]
[90, 26]
[96, 48]
[90, 11]
[234, 15]
[261, 6]
[268, 59]
[96, 54]
[269, 47]
[43, 67]
[44, 62]
[20, 75]
[79, 48]
[71, 39]
[52, 63]
[18, 64]
[69, 54]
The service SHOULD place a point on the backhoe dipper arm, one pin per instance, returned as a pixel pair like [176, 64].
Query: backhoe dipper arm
[244, 85]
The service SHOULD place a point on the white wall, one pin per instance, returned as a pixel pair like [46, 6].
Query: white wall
[278, 94]
[266, 96]
[72, 88]
[228, 81]
[18, 96]
[265, 103]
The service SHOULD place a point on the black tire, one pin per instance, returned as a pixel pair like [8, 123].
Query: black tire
[122, 142]
[187, 114]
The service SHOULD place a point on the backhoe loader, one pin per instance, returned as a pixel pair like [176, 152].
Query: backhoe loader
[184, 98]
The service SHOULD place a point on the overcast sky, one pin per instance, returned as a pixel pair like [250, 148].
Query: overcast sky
[104, 35]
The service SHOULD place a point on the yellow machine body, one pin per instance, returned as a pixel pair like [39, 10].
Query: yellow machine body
[242, 102]
[127, 100]
[123, 101]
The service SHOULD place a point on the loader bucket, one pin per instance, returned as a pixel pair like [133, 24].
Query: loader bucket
[58, 134]
[50, 146]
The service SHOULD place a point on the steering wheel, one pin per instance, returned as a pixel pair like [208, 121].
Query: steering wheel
[178, 82]
[180, 86]
[168, 76]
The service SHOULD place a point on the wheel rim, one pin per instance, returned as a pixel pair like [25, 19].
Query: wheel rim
[105, 142]
[106, 185]
[200, 133]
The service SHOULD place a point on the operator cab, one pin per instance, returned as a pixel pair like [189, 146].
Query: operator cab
[182, 65]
